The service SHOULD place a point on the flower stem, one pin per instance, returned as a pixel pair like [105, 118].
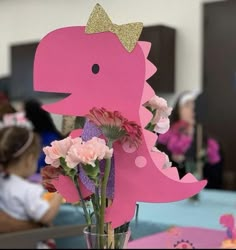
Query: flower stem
[110, 232]
[103, 193]
[97, 201]
[96, 209]
[86, 214]
[96, 204]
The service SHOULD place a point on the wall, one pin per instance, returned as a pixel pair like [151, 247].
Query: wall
[29, 20]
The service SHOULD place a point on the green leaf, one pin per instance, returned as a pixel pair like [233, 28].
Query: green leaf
[68, 171]
[91, 215]
[113, 133]
[149, 108]
[63, 162]
[92, 172]
[150, 126]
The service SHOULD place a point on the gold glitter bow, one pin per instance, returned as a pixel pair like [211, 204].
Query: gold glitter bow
[128, 34]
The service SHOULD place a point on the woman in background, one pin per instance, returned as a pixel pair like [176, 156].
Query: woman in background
[187, 145]
[43, 125]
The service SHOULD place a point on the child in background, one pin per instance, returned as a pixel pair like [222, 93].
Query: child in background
[6, 108]
[19, 198]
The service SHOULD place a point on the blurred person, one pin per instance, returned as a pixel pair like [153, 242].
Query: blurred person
[6, 108]
[5, 105]
[3, 98]
[43, 125]
[187, 145]
[19, 198]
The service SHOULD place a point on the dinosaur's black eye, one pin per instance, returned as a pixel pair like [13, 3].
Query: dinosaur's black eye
[95, 68]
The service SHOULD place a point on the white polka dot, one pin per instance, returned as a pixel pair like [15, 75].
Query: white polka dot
[140, 161]
[128, 149]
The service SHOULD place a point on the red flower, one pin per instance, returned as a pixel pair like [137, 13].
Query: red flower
[116, 127]
[48, 174]
[103, 117]
[133, 133]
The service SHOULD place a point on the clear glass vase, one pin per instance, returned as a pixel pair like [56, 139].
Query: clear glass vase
[106, 241]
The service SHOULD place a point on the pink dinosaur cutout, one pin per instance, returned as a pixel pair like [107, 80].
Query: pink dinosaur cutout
[65, 186]
[228, 221]
[63, 63]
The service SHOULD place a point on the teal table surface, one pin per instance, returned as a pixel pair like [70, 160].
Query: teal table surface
[70, 215]
[157, 217]
[203, 213]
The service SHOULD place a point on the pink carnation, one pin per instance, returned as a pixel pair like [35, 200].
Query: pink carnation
[52, 158]
[58, 149]
[161, 112]
[162, 126]
[160, 105]
[88, 152]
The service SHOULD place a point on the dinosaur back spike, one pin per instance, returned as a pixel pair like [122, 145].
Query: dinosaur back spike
[150, 67]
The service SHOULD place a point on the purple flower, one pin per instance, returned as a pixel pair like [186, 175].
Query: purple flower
[177, 139]
[213, 155]
[179, 143]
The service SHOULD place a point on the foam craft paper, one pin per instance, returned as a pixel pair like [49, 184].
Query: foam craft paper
[65, 186]
[228, 221]
[63, 64]
[185, 238]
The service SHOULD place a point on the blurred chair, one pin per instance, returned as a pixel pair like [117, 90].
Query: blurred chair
[9, 224]
[28, 239]
[27, 234]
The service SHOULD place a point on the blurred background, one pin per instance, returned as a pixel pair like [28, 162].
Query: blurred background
[193, 47]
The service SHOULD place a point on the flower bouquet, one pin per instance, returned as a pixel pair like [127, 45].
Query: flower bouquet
[112, 161]
[74, 158]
